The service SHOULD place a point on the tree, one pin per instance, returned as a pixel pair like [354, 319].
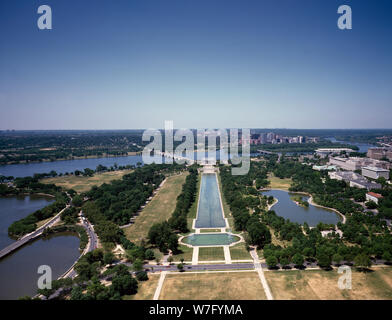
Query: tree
[272, 261]
[284, 261]
[142, 276]
[77, 293]
[77, 201]
[108, 258]
[124, 284]
[149, 254]
[336, 258]
[362, 261]
[170, 259]
[387, 256]
[371, 205]
[180, 267]
[298, 260]
[137, 265]
[259, 234]
[324, 261]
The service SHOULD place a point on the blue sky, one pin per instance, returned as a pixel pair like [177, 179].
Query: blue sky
[208, 63]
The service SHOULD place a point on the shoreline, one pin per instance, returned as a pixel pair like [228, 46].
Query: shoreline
[310, 200]
[133, 153]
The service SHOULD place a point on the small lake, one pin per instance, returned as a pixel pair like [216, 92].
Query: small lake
[18, 271]
[288, 209]
[16, 208]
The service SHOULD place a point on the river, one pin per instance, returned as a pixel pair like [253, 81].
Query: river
[363, 147]
[312, 215]
[18, 271]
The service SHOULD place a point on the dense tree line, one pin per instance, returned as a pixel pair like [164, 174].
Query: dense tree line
[121, 199]
[163, 234]
[243, 198]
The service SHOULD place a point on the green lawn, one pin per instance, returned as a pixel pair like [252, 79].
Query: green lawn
[239, 252]
[211, 253]
[209, 230]
[186, 253]
[159, 209]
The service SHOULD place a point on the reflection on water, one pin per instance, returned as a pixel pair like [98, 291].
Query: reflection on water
[217, 239]
[312, 215]
[16, 208]
[18, 271]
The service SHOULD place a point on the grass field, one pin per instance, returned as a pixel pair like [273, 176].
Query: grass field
[211, 254]
[239, 252]
[209, 230]
[213, 286]
[186, 253]
[146, 289]
[277, 183]
[83, 184]
[158, 209]
[317, 284]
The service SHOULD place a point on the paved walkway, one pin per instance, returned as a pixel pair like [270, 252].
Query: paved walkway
[195, 255]
[226, 250]
[259, 270]
[160, 284]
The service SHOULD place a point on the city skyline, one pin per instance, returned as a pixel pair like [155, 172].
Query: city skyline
[219, 64]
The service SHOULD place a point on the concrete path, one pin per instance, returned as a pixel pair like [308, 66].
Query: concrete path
[259, 270]
[195, 255]
[160, 284]
[226, 250]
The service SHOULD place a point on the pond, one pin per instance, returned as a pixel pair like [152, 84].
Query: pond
[288, 209]
[18, 271]
[210, 212]
[211, 239]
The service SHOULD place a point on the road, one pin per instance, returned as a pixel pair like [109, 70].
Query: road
[92, 245]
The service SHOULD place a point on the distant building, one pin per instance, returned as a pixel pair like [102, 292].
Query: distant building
[375, 173]
[255, 139]
[326, 151]
[372, 196]
[356, 163]
[328, 168]
[345, 163]
[380, 153]
[354, 179]
[364, 184]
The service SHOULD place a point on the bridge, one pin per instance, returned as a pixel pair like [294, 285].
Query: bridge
[31, 236]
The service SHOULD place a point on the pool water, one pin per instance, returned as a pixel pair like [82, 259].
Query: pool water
[213, 239]
[210, 212]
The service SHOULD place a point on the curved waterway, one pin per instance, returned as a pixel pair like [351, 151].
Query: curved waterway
[18, 271]
[288, 209]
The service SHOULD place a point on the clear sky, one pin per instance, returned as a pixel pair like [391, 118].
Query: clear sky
[127, 64]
